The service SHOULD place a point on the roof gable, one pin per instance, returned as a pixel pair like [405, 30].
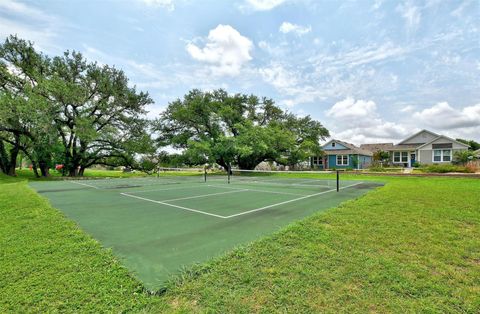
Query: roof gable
[338, 145]
[422, 137]
[445, 138]
[344, 148]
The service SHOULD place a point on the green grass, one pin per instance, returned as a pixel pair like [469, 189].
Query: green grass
[89, 173]
[411, 246]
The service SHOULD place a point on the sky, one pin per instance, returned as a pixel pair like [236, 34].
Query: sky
[369, 71]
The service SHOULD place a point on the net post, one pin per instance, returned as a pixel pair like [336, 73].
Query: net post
[229, 170]
[338, 180]
[205, 173]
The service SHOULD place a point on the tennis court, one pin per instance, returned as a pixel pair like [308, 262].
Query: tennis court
[158, 225]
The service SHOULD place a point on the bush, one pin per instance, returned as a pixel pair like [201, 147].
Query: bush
[416, 164]
[376, 168]
[445, 168]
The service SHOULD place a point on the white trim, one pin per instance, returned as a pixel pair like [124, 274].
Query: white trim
[401, 157]
[445, 137]
[441, 155]
[412, 136]
[342, 164]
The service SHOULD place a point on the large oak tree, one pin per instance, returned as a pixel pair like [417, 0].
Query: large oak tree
[237, 129]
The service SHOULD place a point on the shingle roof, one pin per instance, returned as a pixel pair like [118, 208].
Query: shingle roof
[406, 146]
[347, 152]
[377, 147]
[352, 149]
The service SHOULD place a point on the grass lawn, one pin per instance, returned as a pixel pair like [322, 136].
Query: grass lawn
[411, 246]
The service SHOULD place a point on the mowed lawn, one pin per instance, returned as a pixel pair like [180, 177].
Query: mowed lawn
[410, 246]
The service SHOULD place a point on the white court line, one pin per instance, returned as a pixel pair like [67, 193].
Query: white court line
[204, 195]
[176, 206]
[239, 214]
[256, 190]
[84, 184]
[290, 201]
[283, 184]
[177, 188]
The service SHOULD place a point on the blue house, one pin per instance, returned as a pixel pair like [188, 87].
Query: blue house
[342, 155]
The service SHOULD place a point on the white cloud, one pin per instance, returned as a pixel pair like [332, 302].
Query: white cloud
[226, 49]
[165, 4]
[361, 123]
[30, 23]
[442, 116]
[350, 108]
[411, 14]
[408, 108]
[279, 77]
[263, 5]
[288, 27]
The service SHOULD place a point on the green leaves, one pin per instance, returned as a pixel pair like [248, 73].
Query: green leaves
[239, 129]
[89, 109]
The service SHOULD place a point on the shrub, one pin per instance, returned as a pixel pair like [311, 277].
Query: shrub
[471, 167]
[416, 164]
[445, 168]
[376, 168]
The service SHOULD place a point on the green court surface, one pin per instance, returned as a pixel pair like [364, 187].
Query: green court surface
[157, 226]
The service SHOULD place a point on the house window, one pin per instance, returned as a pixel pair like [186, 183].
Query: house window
[333, 144]
[442, 155]
[400, 157]
[342, 160]
[446, 154]
[317, 160]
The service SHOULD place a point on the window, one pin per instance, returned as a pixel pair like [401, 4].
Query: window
[446, 155]
[442, 155]
[342, 160]
[400, 157]
[333, 144]
[396, 157]
[317, 160]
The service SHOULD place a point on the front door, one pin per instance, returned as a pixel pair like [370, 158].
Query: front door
[412, 159]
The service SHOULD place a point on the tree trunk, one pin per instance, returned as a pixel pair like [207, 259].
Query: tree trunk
[3, 158]
[44, 168]
[82, 170]
[13, 156]
[34, 168]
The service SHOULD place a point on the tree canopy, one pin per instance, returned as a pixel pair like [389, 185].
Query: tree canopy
[473, 145]
[66, 110]
[239, 129]
[69, 111]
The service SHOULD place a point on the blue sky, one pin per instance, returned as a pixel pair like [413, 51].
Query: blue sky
[368, 70]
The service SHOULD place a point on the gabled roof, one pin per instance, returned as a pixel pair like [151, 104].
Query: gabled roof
[410, 137]
[352, 149]
[445, 137]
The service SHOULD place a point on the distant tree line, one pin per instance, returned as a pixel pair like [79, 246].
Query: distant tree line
[68, 111]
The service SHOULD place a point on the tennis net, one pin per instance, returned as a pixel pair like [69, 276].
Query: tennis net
[284, 178]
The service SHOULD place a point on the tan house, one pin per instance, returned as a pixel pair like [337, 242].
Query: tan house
[424, 147]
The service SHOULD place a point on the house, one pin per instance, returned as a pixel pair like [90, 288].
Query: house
[477, 153]
[342, 155]
[424, 147]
